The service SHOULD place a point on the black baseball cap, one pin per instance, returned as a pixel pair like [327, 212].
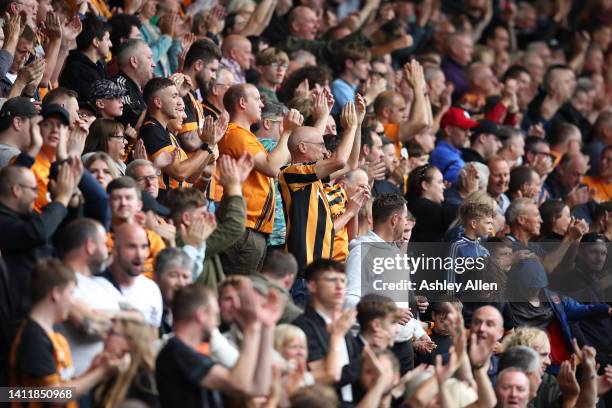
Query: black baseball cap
[488, 127]
[16, 107]
[56, 110]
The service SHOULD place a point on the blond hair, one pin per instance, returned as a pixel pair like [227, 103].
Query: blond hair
[476, 198]
[286, 333]
[525, 336]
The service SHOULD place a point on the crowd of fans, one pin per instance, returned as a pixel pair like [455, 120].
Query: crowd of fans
[188, 189]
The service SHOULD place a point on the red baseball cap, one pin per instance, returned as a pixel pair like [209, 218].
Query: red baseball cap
[457, 117]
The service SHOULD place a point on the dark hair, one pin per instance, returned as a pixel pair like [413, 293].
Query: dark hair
[314, 74]
[514, 71]
[385, 205]
[518, 177]
[204, 50]
[521, 357]
[550, 211]
[416, 178]
[121, 28]
[489, 31]
[123, 182]
[279, 264]
[188, 299]
[181, 200]
[153, 87]
[93, 27]
[374, 306]
[366, 137]
[550, 72]
[350, 52]
[561, 132]
[232, 97]
[318, 266]
[75, 234]
[48, 274]
[100, 132]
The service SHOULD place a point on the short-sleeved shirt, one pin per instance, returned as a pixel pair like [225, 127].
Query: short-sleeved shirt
[194, 112]
[157, 139]
[39, 360]
[279, 231]
[336, 196]
[179, 372]
[310, 228]
[258, 189]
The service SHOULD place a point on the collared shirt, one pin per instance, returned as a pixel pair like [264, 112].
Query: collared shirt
[235, 69]
[448, 160]
[279, 230]
[347, 390]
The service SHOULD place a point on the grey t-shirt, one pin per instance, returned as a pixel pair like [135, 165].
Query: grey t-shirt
[7, 152]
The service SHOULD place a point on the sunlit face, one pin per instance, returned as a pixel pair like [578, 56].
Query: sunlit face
[483, 227]
[171, 280]
[531, 220]
[147, 178]
[274, 73]
[124, 203]
[64, 302]
[329, 288]
[294, 349]
[131, 251]
[562, 221]
[50, 130]
[542, 347]
[434, 189]
[512, 390]
[243, 54]
[116, 145]
[105, 45]
[389, 157]
[99, 169]
[306, 25]
[398, 112]
[499, 177]
[487, 322]
[170, 101]
[228, 302]
[253, 104]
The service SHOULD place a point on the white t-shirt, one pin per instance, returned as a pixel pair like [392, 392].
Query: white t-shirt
[99, 294]
[144, 295]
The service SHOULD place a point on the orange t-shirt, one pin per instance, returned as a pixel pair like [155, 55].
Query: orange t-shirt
[258, 189]
[41, 169]
[602, 191]
[392, 132]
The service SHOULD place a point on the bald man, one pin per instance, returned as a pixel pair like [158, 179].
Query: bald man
[310, 227]
[130, 252]
[488, 322]
[237, 56]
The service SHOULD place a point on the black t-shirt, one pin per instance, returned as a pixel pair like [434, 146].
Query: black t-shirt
[443, 346]
[179, 373]
[34, 354]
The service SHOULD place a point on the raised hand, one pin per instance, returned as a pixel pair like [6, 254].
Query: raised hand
[71, 29]
[360, 108]
[413, 72]
[471, 178]
[199, 230]
[342, 321]
[12, 31]
[182, 82]
[165, 159]
[320, 108]
[302, 90]
[292, 120]
[348, 116]
[567, 379]
[577, 228]
[376, 171]
[480, 353]
[357, 201]
[168, 23]
[130, 134]
[36, 139]
[52, 27]
[32, 74]
[76, 142]
[271, 310]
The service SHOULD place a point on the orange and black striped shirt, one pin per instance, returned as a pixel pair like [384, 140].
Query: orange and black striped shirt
[310, 228]
[157, 139]
[336, 196]
[194, 112]
[39, 359]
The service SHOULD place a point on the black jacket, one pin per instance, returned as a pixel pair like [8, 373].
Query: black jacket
[133, 102]
[80, 72]
[313, 326]
[25, 239]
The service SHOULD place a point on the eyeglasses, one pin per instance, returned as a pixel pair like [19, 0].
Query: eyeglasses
[382, 74]
[32, 189]
[122, 137]
[150, 179]
[320, 144]
[276, 65]
[381, 133]
[222, 84]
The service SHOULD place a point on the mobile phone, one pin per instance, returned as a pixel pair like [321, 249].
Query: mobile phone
[404, 153]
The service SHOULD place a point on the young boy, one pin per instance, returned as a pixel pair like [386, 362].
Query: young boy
[40, 357]
[107, 97]
[467, 251]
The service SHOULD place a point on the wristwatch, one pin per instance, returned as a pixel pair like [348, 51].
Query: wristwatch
[206, 148]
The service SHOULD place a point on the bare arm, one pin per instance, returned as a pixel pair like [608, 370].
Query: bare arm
[53, 31]
[338, 161]
[271, 163]
[420, 116]
[260, 18]
[353, 160]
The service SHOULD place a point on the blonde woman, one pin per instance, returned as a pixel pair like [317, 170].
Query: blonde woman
[102, 168]
[290, 342]
[130, 338]
[561, 391]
